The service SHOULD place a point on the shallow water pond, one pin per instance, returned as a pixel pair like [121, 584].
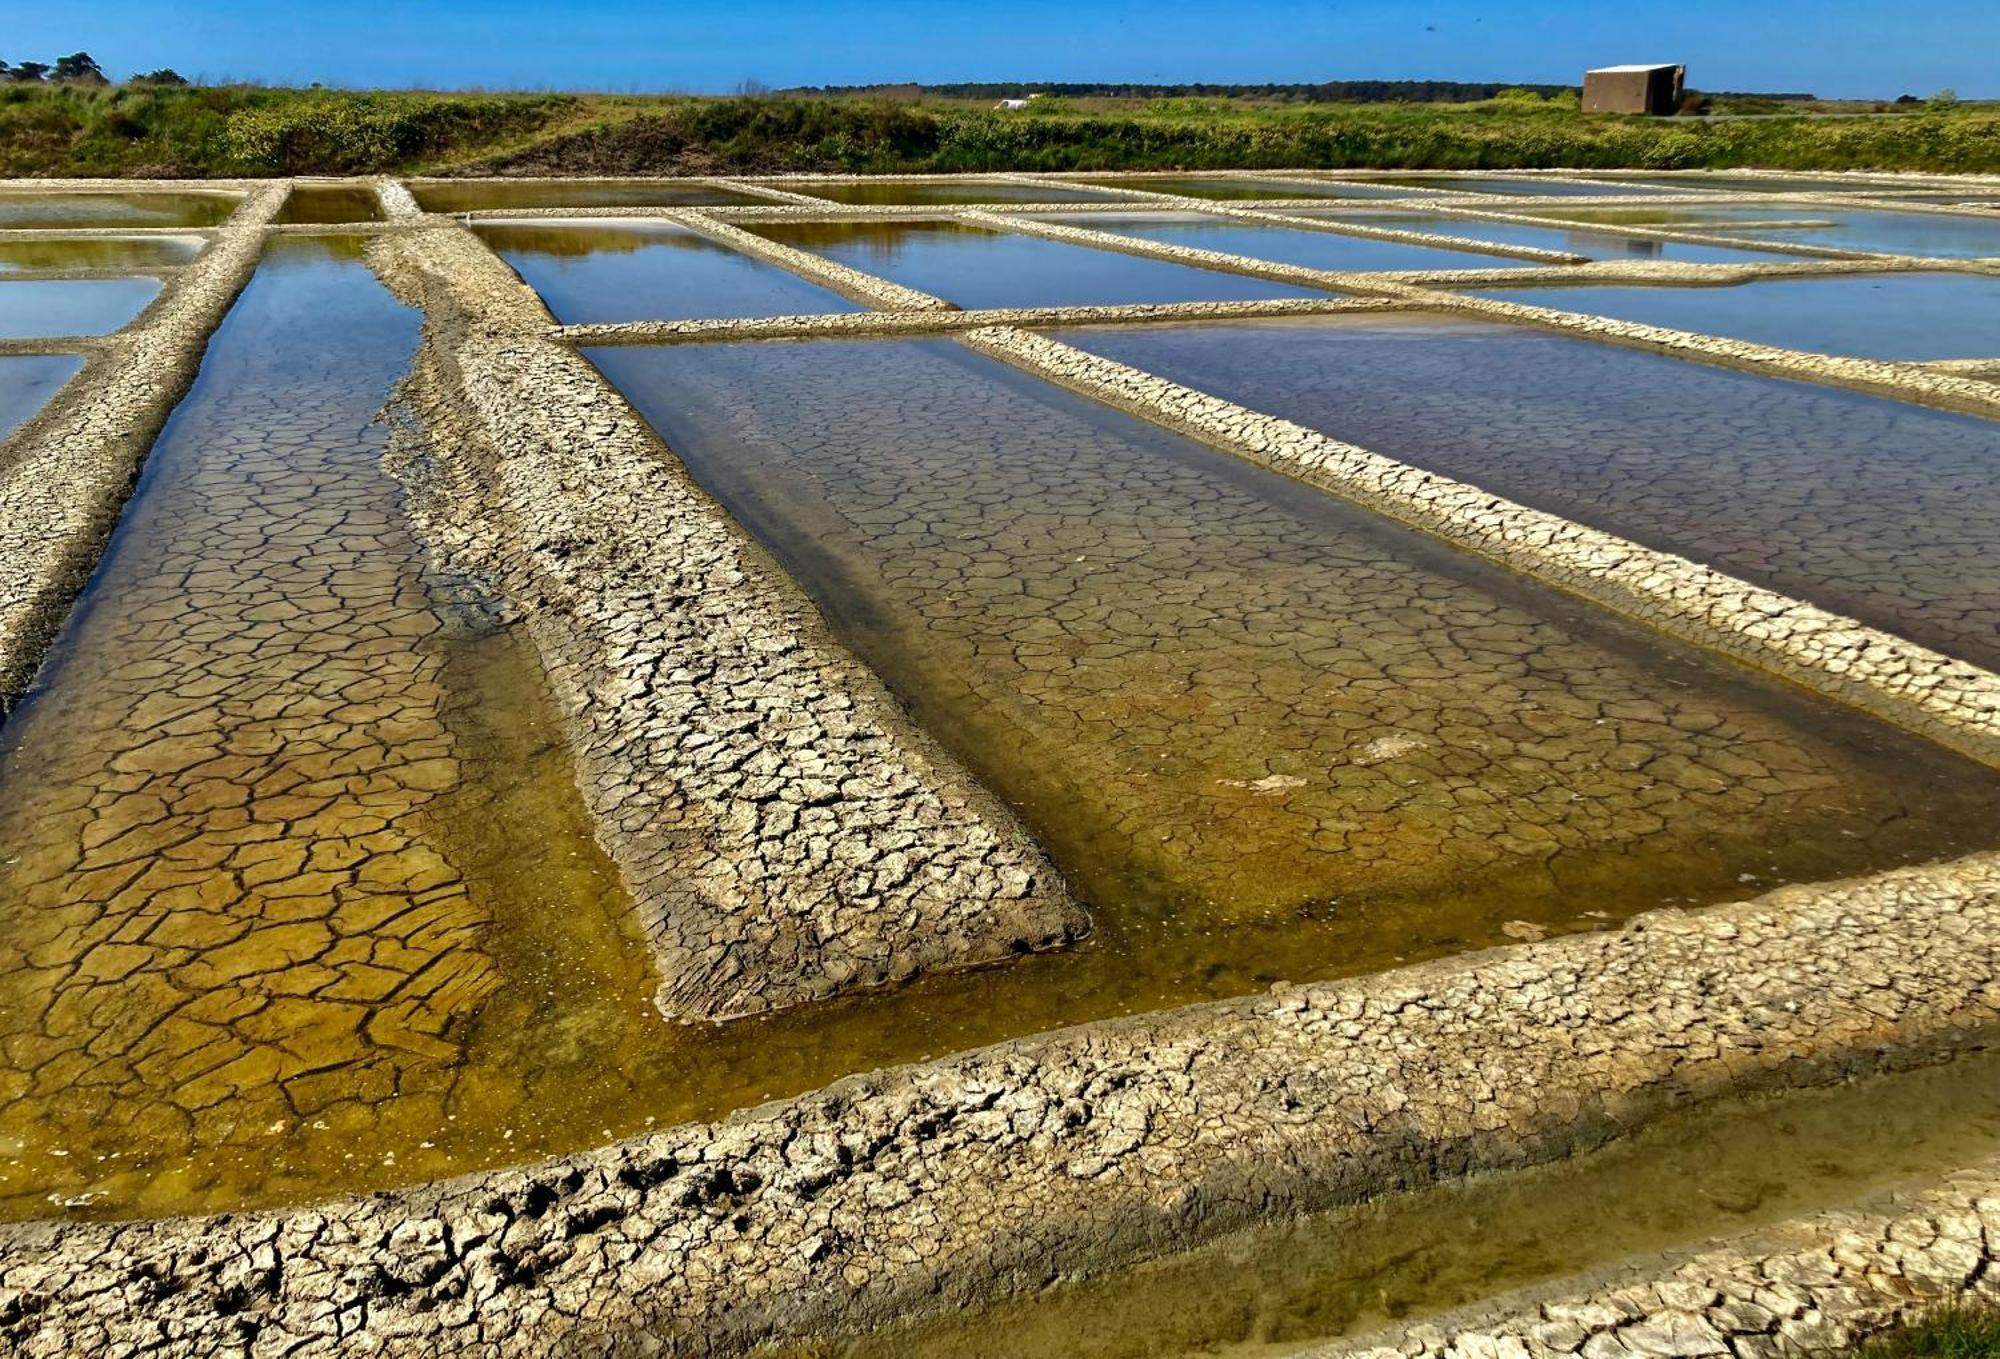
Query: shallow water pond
[1572, 238]
[42, 308]
[589, 272]
[27, 381]
[1277, 1289]
[890, 193]
[477, 196]
[329, 203]
[1261, 728]
[1875, 316]
[1878, 509]
[99, 252]
[1305, 248]
[1530, 186]
[975, 267]
[1224, 189]
[1939, 235]
[19, 210]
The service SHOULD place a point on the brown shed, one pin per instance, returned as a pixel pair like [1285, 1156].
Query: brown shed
[1633, 89]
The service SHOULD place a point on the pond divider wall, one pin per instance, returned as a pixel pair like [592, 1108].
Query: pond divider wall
[942, 1184]
[65, 474]
[787, 833]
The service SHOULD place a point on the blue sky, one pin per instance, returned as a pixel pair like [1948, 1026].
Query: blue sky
[1829, 47]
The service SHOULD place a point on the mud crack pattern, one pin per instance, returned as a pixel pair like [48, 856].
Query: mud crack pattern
[1262, 698]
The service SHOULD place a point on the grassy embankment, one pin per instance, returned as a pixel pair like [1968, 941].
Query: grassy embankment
[1959, 1334]
[256, 131]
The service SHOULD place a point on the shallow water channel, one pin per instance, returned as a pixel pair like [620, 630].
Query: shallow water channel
[1879, 509]
[1294, 1285]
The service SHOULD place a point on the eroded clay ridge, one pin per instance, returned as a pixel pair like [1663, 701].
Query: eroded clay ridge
[930, 1186]
[1817, 1285]
[65, 474]
[788, 835]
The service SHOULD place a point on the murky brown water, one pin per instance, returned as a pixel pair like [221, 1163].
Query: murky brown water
[1275, 1290]
[149, 208]
[329, 203]
[1232, 703]
[98, 252]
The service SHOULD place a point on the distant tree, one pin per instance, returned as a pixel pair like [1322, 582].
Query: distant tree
[166, 75]
[1944, 99]
[1908, 99]
[28, 72]
[752, 87]
[79, 68]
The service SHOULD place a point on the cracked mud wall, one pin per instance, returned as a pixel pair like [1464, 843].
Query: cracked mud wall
[788, 835]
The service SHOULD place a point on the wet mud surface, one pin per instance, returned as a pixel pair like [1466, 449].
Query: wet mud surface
[1877, 509]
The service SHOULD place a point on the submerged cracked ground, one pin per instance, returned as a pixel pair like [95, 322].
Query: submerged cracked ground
[686, 766]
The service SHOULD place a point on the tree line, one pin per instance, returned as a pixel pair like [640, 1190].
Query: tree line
[78, 68]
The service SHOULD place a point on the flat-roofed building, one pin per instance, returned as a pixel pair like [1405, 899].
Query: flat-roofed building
[1633, 89]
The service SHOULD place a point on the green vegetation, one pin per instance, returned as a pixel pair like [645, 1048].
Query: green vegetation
[158, 128]
[1954, 1334]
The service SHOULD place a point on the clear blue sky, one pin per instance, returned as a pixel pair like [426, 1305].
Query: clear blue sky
[1829, 47]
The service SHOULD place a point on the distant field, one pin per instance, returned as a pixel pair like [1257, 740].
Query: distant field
[241, 130]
